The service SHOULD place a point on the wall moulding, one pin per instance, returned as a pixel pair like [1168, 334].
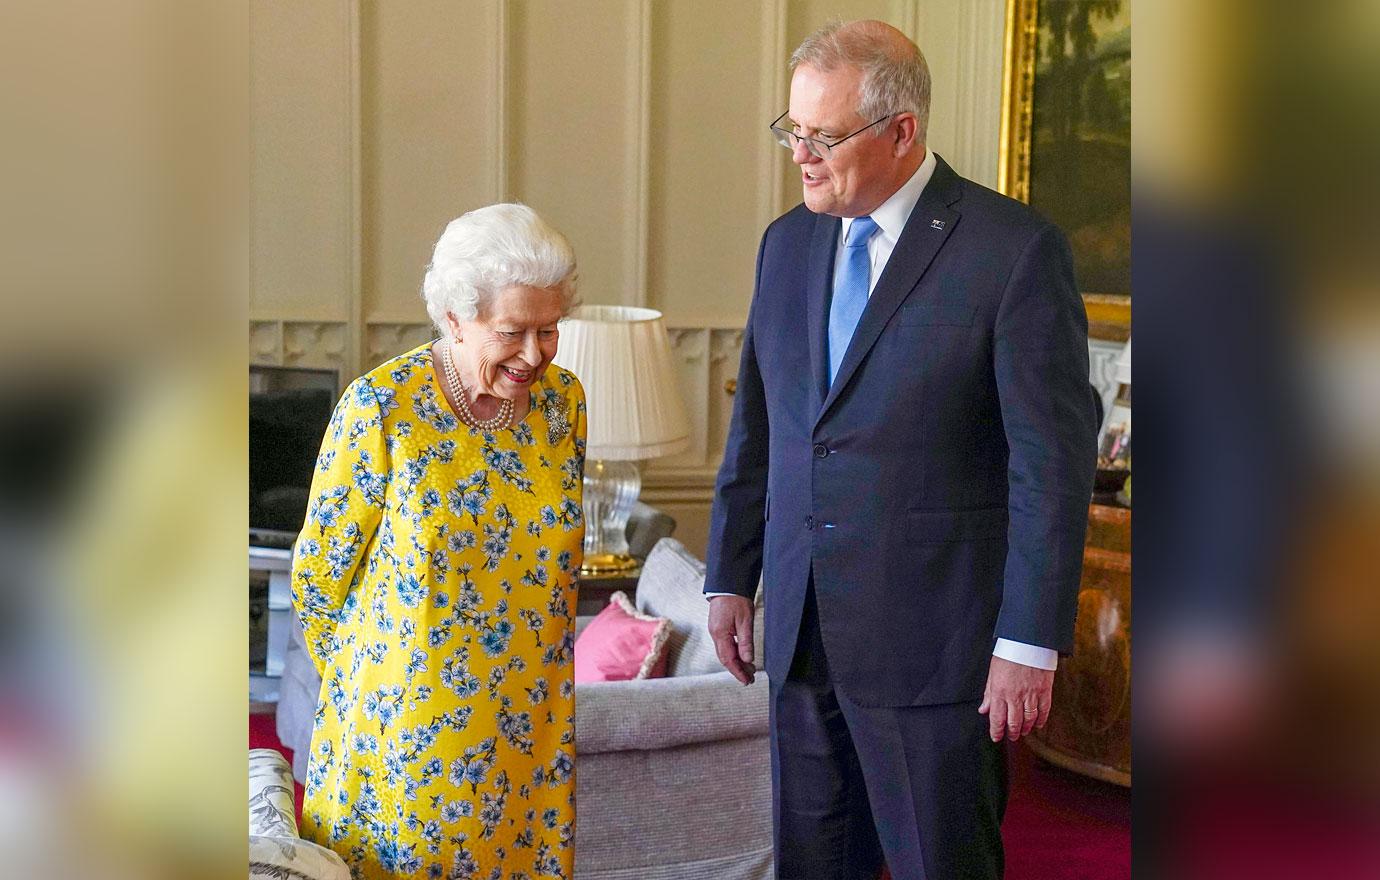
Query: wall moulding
[678, 490]
[772, 89]
[638, 148]
[295, 343]
[499, 121]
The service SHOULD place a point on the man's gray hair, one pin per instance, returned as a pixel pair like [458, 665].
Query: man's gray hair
[893, 81]
[489, 250]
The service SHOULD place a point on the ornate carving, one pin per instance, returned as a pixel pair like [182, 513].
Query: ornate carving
[265, 342]
[314, 343]
[688, 343]
[725, 344]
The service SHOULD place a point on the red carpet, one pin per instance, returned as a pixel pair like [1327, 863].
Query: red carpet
[1062, 826]
[1059, 825]
[262, 735]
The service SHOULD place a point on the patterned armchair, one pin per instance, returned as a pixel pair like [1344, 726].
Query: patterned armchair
[276, 852]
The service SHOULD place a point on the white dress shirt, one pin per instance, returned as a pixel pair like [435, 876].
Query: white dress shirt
[891, 218]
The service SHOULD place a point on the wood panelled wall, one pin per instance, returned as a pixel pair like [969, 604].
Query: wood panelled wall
[637, 127]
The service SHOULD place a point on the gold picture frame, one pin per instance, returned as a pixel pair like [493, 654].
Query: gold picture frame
[1109, 313]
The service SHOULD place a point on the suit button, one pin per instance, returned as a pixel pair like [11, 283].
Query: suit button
[821, 451]
[810, 523]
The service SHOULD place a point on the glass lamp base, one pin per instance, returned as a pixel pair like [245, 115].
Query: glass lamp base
[611, 489]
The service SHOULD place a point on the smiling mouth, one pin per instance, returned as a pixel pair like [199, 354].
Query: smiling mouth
[519, 376]
[811, 178]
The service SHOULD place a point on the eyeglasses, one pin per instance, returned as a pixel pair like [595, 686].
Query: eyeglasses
[818, 148]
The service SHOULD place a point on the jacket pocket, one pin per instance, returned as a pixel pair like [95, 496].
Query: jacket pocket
[935, 526]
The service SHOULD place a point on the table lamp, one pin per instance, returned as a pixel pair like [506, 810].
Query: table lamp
[634, 412]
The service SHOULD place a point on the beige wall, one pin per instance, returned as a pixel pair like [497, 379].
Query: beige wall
[638, 127]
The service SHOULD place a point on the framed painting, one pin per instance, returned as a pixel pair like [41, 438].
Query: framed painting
[1066, 139]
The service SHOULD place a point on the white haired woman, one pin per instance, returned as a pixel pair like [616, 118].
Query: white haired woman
[435, 577]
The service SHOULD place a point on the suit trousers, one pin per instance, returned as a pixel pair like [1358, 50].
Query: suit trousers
[921, 788]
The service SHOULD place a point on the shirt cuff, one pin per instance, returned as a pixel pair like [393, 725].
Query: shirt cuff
[708, 596]
[1026, 655]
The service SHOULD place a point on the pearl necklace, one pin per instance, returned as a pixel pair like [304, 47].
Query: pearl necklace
[501, 420]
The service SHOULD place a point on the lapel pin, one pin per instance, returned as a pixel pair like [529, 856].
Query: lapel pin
[936, 224]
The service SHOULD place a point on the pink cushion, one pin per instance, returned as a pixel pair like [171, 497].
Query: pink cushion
[621, 644]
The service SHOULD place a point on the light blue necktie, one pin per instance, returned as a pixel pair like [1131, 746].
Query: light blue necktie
[850, 291]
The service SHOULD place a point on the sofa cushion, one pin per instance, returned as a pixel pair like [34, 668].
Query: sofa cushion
[667, 713]
[672, 585]
[621, 644]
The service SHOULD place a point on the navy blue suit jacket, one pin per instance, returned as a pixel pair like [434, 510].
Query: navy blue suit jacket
[939, 489]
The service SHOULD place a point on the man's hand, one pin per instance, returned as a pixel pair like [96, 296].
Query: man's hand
[730, 626]
[1017, 698]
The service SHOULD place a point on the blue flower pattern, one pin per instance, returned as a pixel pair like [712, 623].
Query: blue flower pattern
[435, 578]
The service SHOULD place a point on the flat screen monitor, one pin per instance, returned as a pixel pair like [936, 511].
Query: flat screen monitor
[289, 408]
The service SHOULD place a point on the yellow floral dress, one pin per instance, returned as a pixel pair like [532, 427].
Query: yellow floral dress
[435, 577]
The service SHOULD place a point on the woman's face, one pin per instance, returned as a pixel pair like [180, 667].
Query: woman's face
[509, 345]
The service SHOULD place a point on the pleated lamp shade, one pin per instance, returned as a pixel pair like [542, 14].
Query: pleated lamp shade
[622, 357]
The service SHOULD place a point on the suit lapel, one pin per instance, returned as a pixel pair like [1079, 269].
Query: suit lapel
[819, 277]
[930, 224]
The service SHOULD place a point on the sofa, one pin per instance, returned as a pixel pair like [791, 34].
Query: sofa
[673, 775]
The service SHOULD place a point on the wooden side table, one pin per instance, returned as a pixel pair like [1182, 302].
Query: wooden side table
[1089, 728]
[595, 589]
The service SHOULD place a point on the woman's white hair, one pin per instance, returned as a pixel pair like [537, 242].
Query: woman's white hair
[489, 250]
[896, 78]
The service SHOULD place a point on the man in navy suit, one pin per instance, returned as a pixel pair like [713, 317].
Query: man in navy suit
[908, 470]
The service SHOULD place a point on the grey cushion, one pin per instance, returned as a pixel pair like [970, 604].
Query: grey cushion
[672, 585]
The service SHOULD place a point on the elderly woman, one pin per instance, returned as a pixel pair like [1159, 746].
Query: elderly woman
[435, 577]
